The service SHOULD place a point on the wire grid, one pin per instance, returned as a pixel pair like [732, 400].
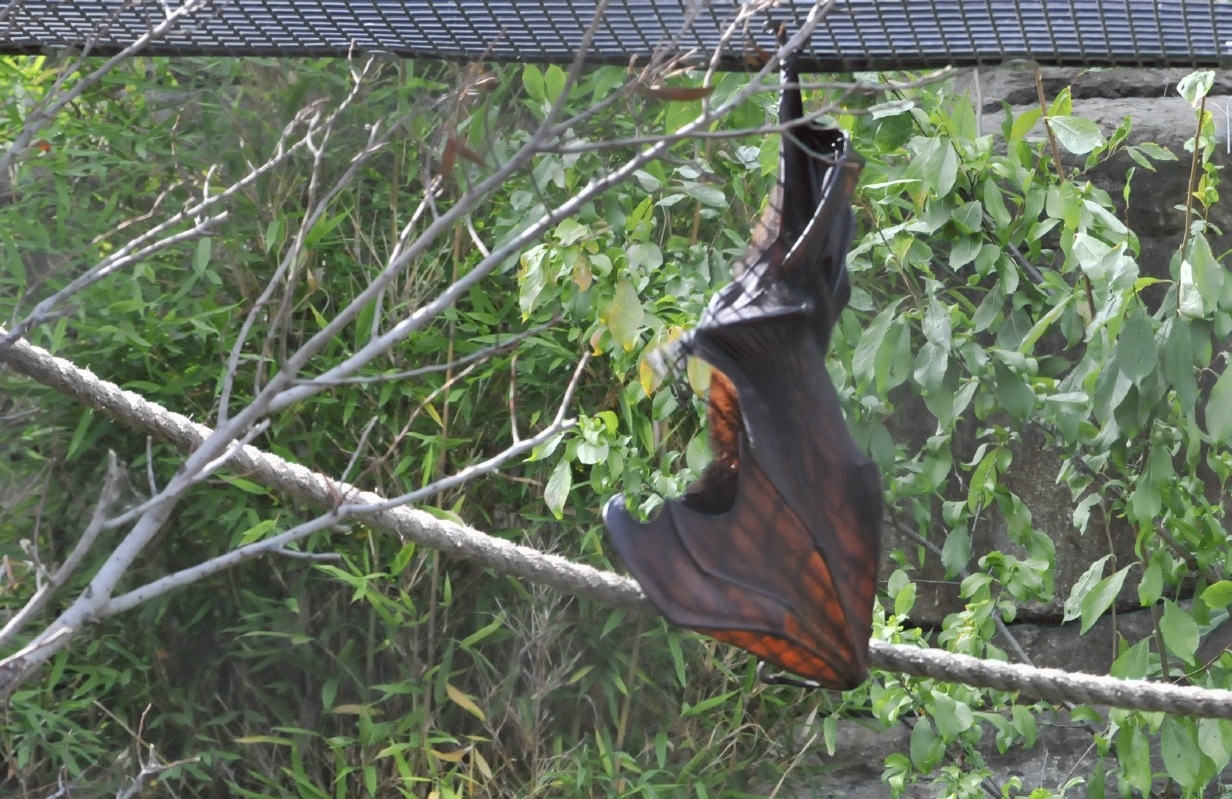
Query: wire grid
[857, 35]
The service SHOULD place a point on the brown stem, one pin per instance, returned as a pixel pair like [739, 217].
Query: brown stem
[1159, 639]
[1103, 508]
[1193, 174]
[1052, 139]
[1086, 282]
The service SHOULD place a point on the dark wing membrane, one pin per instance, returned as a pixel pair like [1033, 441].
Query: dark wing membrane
[751, 577]
[799, 438]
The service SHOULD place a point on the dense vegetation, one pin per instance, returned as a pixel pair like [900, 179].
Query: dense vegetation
[994, 287]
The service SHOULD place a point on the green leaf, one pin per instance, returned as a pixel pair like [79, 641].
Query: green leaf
[706, 704]
[673, 644]
[864, 361]
[1111, 388]
[644, 255]
[768, 155]
[1205, 277]
[829, 730]
[1134, 754]
[1082, 587]
[1219, 408]
[1180, 631]
[996, 205]
[891, 108]
[1180, 753]
[1189, 296]
[1218, 595]
[532, 278]
[79, 434]
[931, 365]
[957, 551]
[1178, 362]
[1015, 396]
[1148, 493]
[1152, 585]
[257, 532]
[1024, 723]
[964, 251]
[1090, 253]
[1135, 349]
[1079, 136]
[201, 258]
[969, 218]
[624, 315]
[1039, 328]
[554, 82]
[939, 167]
[1101, 597]
[1132, 664]
[1215, 741]
[1095, 785]
[926, 748]
[904, 600]
[952, 717]
[532, 79]
[1196, 85]
[1157, 152]
[1023, 124]
[401, 560]
[247, 486]
[557, 490]
[708, 195]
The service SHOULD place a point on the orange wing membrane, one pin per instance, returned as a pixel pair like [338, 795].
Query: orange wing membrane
[775, 549]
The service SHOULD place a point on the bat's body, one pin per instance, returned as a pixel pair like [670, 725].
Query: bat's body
[775, 549]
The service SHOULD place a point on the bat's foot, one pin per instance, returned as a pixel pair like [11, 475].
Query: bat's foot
[783, 679]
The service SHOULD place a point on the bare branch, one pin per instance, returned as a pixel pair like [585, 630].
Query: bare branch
[107, 497]
[478, 355]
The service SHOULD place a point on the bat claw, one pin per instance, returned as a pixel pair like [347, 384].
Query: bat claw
[783, 679]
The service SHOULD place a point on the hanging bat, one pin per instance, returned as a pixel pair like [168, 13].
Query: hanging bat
[775, 548]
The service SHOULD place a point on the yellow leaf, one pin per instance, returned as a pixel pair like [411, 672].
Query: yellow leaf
[624, 314]
[648, 375]
[482, 765]
[698, 372]
[465, 702]
[355, 710]
[581, 273]
[436, 417]
[451, 757]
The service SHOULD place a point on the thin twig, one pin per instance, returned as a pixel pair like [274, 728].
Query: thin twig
[1052, 139]
[1193, 174]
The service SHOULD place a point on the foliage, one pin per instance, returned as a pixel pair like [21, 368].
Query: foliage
[994, 290]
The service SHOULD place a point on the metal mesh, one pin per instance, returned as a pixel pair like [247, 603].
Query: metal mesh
[857, 34]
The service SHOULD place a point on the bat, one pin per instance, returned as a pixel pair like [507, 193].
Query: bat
[775, 548]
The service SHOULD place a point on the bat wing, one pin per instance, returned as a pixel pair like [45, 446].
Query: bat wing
[751, 577]
[798, 438]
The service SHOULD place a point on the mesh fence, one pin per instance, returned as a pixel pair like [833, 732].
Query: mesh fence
[856, 35]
